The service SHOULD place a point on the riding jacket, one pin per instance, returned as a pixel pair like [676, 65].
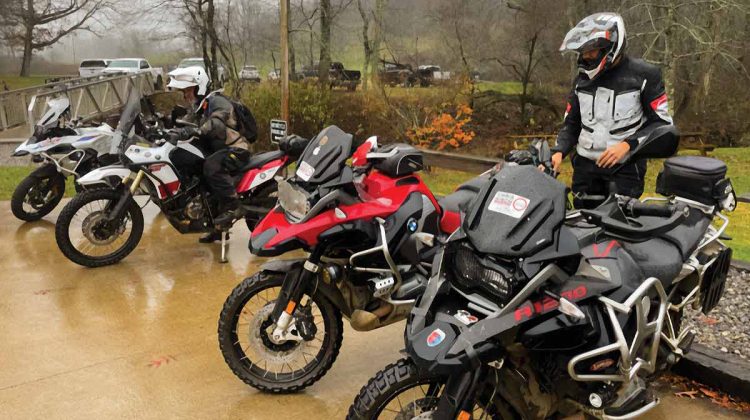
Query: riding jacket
[625, 103]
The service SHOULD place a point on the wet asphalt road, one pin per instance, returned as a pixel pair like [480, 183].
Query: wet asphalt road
[138, 339]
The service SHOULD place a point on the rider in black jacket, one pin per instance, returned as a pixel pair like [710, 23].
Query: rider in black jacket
[224, 146]
[615, 103]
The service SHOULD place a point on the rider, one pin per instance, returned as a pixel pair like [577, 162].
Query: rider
[615, 103]
[225, 147]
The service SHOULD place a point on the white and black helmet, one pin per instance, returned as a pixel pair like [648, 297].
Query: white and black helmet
[189, 77]
[602, 31]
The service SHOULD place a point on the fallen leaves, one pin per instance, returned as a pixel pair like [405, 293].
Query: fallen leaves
[686, 388]
[161, 360]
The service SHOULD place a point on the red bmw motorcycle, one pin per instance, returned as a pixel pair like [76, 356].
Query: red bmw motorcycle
[368, 230]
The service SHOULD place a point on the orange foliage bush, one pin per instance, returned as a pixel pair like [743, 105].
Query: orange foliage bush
[445, 129]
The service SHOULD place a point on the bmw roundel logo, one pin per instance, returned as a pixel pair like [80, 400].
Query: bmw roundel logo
[412, 225]
[435, 338]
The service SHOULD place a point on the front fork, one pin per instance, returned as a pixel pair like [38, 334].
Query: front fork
[457, 399]
[292, 294]
[118, 211]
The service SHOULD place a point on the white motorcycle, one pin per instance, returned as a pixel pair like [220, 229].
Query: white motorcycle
[64, 149]
[101, 226]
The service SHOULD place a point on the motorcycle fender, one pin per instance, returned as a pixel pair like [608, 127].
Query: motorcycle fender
[282, 266]
[102, 175]
[44, 171]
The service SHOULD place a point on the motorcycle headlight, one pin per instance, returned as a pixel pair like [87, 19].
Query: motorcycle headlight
[293, 200]
[471, 273]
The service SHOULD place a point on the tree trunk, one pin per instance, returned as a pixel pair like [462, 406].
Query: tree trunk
[290, 41]
[366, 43]
[325, 42]
[378, 31]
[211, 29]
[28, 40]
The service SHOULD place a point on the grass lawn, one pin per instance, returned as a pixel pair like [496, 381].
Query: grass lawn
[17, 82]
[443, 182]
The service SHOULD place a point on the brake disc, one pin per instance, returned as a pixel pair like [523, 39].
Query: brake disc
[93, 225]
[259, 334]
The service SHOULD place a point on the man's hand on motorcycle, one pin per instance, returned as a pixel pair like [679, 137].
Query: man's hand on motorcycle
[556, 161]
[612, 155]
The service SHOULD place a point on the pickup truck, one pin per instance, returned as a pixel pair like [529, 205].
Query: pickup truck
[433, 73]
[92, 66]
[338, 76]
[136, 65]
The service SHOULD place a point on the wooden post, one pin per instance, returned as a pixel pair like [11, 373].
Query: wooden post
[284, 21]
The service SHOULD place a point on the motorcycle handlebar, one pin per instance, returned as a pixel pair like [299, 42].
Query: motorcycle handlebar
[636, 208]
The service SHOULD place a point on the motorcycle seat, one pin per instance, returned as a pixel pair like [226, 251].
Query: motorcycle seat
[662, 256]
[256, 161]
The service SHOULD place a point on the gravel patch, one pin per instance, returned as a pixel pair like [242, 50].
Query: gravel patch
[727, 327]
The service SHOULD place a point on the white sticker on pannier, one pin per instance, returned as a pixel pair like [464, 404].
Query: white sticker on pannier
[509, 204]
[305, 171]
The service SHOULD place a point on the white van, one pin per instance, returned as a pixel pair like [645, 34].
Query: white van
[92, 66]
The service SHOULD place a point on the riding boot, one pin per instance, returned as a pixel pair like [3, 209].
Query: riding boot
[230, 211]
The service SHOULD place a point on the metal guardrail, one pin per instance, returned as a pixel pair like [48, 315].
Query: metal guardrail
[457, 162]
[89, 97]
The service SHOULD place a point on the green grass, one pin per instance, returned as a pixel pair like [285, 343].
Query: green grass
[443, 181]
[17, 82]
[11, 176]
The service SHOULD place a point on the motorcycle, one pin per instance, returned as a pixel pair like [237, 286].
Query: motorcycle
[534, 313]
[64, 148]
[280, 330]
[102, 226]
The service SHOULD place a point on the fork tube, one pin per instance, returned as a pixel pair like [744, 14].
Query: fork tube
[294, 287]
[119, 209]
[458, 394]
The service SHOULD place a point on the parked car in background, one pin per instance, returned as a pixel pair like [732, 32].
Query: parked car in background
[431, 73]
[250, 73]
[92, 66]
[397, 74]
[136, 65]
[338, 76]
[198, 61]
[274, 75]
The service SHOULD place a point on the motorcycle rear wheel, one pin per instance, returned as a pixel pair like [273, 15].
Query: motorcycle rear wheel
[37, 195]
[240, 320]
[401, 392]
[97, 235]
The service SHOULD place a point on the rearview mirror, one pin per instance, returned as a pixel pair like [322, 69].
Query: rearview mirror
[660, 143]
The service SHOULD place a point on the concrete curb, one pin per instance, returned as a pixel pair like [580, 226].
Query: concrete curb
[713, 368]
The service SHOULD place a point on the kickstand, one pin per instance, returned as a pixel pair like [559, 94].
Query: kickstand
[224, 245]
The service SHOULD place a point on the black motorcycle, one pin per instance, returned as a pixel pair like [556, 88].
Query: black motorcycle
[532, 312]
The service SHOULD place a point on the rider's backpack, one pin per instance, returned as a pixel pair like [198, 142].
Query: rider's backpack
[246, 125]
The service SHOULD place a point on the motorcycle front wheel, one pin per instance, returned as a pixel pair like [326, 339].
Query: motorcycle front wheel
[245, 339]
[37, 194]
[86, 237]
[400, 392]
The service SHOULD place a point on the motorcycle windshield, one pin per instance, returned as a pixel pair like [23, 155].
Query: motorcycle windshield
[325, 157]
[517, 213]
[130, 112]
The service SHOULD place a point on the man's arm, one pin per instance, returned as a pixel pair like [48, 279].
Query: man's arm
[567, 138]
[655, 107]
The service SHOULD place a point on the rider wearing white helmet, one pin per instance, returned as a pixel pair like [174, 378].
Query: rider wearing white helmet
[225, 148]
[616, 102]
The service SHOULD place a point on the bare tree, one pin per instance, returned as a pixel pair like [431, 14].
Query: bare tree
[38, 24]
[371, 46]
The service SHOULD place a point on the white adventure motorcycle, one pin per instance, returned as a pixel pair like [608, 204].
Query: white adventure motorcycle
[64, 147]
[101, 226]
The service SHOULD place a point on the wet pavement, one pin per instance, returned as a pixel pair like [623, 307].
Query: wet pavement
[138, 339]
